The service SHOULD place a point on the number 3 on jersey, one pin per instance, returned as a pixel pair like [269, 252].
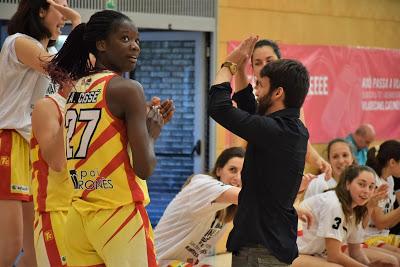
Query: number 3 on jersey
[337, 223]
[74, 121]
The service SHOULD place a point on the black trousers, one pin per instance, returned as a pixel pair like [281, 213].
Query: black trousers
[255, 256]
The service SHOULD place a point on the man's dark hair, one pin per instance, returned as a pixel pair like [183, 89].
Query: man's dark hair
[292, 76]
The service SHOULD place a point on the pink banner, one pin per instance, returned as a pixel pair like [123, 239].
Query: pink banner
[349, 86]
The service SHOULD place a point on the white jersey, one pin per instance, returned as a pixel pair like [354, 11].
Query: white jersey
[319, 185]
[20, 87]
[60, 100]
[329, 222]
[386, 205]
[188, 229]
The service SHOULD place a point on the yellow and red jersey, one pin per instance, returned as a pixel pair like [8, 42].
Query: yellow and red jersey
[52, 191]
[98, 161]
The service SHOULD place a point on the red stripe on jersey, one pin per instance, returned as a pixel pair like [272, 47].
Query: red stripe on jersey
[60, 117]
[50, 241]
[42, 175]
[151, 256]
[111, 166]
[136, 191]
[97, 82]
[33, 143]
[127, 220]
[5, 162]
[106, 135]
[35, 224]
[112, 215]
[138, 230]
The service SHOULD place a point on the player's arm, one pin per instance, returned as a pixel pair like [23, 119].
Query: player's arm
[229, 196]
[34, 56]
[356, 253]
[30, 54]
[382, 220]
[125, 99]
[335, 254]
[48, 130]
[315, 159]
[305, 215]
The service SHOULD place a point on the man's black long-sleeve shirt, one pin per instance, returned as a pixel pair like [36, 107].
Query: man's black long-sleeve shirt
[271, 175]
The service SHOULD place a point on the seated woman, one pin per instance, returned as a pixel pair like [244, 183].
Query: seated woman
[193, 221]
[340, 156]
[386, 163]
[338, 215]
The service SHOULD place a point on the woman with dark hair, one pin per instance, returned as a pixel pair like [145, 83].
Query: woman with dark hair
[338, 215]
[195, 218]
[386, 163]
[32, 29]
[340, 156]
[109, 144]
[266, 51]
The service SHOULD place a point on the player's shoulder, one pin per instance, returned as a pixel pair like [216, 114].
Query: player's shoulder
[45, 103]
[120, 83]
[325, 200]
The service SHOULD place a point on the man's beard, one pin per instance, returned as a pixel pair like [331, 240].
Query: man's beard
[264, 103]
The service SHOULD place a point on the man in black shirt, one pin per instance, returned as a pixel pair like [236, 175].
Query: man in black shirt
[265, 226]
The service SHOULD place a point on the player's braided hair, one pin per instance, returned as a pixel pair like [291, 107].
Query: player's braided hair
[72, 62]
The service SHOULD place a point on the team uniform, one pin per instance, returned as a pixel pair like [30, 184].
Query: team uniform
[319, 185]
[52, 193]
[374, 236]
[107, 223]
[329, 222]
[20, 87]
[189, 227]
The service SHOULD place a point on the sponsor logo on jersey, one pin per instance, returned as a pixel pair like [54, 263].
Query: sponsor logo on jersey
[5, 161]
[52, 89]
[48, 235]
[89, 179]
[19, 188]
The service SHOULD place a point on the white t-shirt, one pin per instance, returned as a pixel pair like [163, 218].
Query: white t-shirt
[386, 205]
[329, 222]
[60, 100]
[319, 185]
[188, 228]
[20, 87]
